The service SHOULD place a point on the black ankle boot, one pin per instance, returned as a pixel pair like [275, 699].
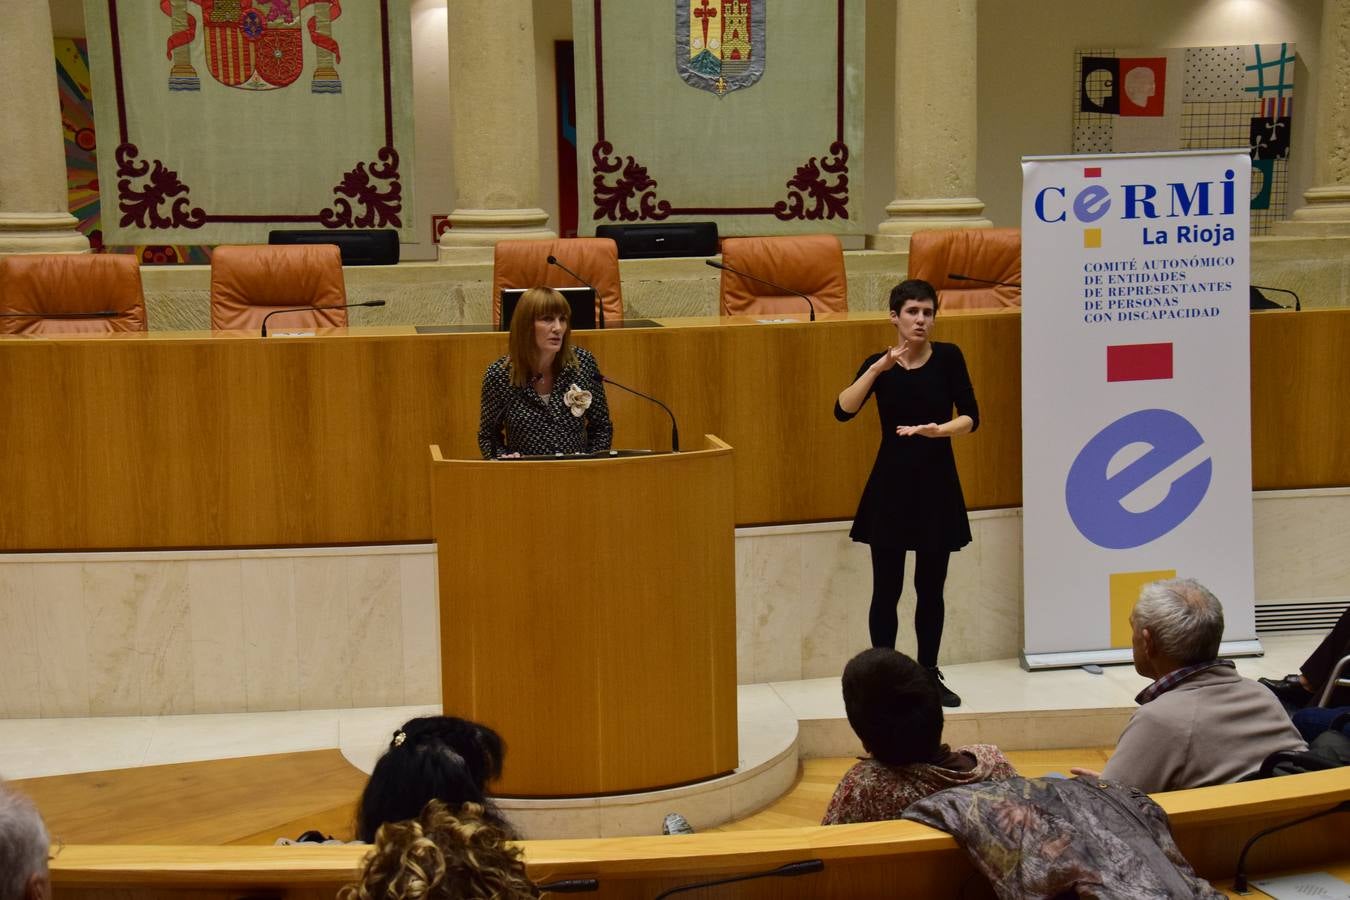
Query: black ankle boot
[948, 696]
[1290, 690]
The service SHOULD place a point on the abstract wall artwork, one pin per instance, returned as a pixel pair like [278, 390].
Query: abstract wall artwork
[1193, 98]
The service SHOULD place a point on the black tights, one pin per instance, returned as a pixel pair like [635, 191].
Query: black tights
[888, 576]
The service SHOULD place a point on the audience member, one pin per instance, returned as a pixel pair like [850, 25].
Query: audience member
[24, 848]
[441, 855]
[1305, 687]
[432, 758]
[1199, 722]
[895, 708]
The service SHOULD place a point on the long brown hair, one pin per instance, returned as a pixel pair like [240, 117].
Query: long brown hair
[522, 351]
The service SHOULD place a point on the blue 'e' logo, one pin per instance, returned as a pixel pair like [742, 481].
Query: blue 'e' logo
[1093, 498]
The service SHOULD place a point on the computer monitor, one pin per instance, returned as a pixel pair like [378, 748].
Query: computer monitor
[581, 299]
[358, 248]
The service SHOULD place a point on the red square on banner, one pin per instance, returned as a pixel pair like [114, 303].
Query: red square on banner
[1092, 172]
[1139, 362]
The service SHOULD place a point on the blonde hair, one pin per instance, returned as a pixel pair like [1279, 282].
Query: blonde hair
[441, 856]
[521, 352]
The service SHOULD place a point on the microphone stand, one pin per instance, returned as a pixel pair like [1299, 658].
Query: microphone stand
[1298, 307]
[954, 277]
[314, 308]
[789, 870]
[1240, 877]
[599, 301]
[726, 268]
[674, 431]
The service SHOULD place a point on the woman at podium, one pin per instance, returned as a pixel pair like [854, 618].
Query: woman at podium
[913, 498]
[545, 396]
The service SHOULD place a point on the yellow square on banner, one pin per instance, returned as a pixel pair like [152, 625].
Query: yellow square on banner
[1092, 238]
[1125, 587]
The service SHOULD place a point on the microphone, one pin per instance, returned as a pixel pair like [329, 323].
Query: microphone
[100, 314]
[599, 301]
[569, 886]
[313, 308]
[790, 870]
[954, 277]
[1240, 877]
[726, 268]
[674, 430]
[1298, 307]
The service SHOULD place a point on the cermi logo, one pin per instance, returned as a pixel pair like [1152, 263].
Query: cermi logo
[1143, 202]
[1138, 478]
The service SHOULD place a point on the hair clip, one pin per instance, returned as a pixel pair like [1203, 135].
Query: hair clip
[399, 738]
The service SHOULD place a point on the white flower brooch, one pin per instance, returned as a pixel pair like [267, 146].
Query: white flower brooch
[577, 400]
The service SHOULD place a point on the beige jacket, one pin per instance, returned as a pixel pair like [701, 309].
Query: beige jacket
[1212, 728]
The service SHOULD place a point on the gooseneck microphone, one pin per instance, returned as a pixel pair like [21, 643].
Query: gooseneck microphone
[599, 301]
[717, 265]
[1298, 307]
[1240, 877]
[569, 886]
[790, 870]
[674, 430]
[955, 277]
[276, 312]
[100, 314]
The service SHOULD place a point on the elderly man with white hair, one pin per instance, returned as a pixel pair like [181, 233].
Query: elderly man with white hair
[1199, 722]
[23, 849]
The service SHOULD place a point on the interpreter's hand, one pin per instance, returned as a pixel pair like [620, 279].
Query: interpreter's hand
[891, 358]
[1085, 773]
[931, 430]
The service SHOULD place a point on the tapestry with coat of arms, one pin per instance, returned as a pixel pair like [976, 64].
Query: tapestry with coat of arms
[752, 115]
[221, 120]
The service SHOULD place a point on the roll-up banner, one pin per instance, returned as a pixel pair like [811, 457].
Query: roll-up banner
[1136, 412]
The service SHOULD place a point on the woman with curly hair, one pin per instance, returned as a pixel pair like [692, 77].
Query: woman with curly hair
[441, 856]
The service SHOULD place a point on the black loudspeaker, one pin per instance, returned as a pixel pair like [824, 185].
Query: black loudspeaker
[651, 241]
[358, 248]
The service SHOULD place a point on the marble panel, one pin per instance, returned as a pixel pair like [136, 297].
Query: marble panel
[192, 738]
[34, 748]
[1300, 549]
[768, 572]
[271, 659]
[215, 589]
[163, 660]
[375, 631]
[324, 631]
[753, 794]
[621, 816]
[836, 591]
[421, 629]
[19, 657]
[556, 823]
[364, 734]
[62, 646]
[111, 604]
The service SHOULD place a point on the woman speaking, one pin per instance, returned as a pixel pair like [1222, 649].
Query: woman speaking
[913, 498]
[545, 396]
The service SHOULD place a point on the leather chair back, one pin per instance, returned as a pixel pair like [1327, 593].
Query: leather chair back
[71, 283]
[811, 263]
[250, 281]
[524, 264]
[992, 253]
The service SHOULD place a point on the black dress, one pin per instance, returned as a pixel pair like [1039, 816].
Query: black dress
[518, 420]
[913, 498]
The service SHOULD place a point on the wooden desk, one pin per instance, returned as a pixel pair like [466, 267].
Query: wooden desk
[197, 440]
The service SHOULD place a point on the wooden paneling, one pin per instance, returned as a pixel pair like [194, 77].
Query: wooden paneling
[876, 860]
[585, 602]
[198, 441]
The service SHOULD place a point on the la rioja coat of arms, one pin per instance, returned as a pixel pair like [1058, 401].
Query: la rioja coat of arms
[719, 44]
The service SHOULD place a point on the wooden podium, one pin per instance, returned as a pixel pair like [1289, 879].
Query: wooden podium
[588, 614]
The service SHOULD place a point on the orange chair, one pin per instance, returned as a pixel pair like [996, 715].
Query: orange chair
[811, 263]
[69, 285]
[524, 264]
[994, 254]
[250, 281]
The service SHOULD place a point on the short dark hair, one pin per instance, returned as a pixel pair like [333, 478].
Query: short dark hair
[893, 705]
[912, 289]
[431, 757]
